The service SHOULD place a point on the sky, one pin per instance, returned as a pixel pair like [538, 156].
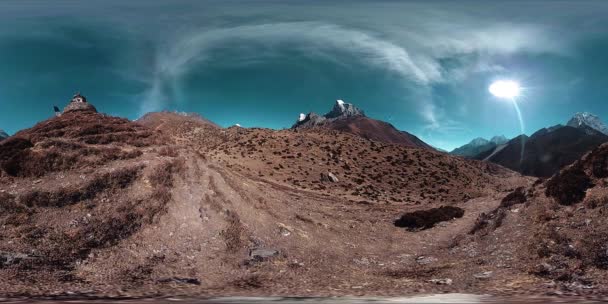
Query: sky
[424, 66]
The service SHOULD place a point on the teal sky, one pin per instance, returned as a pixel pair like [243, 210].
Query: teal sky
[423, 66]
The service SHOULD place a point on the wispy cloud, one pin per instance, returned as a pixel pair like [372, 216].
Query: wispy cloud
[414, 54]
[310, 38]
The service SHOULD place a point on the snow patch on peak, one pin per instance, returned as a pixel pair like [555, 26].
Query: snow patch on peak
[479, 141]
[499, 139]
[341, 110]
[340, 103]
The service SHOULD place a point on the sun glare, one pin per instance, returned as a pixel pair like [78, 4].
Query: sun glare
[505, 89]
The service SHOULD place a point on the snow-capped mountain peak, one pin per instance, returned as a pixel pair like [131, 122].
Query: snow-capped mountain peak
[479, 141]
[588, 119]
[499, 140]
[340, 103]
[343, 109]
[302, 117]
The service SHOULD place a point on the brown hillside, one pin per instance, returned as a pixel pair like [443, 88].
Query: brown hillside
[377, 130]
[201, 210]
[553, 231]
[366, 170]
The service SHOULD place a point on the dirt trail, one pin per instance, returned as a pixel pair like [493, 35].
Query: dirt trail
[324, 245]
[201, 211]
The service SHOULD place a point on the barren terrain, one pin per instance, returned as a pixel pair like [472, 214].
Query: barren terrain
[174, 205]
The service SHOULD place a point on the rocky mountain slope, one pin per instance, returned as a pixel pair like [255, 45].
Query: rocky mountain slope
[479, 145]
[173, 204]
[74, 186]
[548, 150]
[554, 230]
[346, 117]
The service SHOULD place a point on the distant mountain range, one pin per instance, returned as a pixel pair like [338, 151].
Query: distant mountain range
[545, 151]
[479, 145]
[3, 135]
[346, 117]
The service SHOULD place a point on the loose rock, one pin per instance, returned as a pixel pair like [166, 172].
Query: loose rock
[329, 177]
[483, 275]
[424, 260]
[262, 254]
[441, 281]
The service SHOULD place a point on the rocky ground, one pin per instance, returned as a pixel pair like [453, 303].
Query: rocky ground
[174, 205]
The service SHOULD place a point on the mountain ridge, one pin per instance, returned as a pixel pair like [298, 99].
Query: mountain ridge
[549, 149]
[3, 134]
[346, 117]
[590, 120]
[479, 145]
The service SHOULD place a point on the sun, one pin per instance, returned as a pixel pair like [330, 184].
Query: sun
[508, 89]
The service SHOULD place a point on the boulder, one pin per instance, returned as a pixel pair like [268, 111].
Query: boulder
[10, 258]
[424, 260]
[261, 254]
[329, 177]
[441, 281]
[483, 275]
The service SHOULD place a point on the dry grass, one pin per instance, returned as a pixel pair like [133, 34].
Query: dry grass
[111, 181]
[57, 155]
[12, 147]
[91, 128]
[163, 175]
[169, 151]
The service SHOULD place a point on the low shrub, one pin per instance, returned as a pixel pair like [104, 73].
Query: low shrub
[569, 186]
[60, 156]
[13, 146]
[8, 204]
[163, 174]
[599, 162]
[425, 219]
[594, 250]
[518, 196]
[168, 151]
[66, 196]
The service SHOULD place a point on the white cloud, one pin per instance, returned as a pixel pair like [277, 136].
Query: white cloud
[414, 54]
